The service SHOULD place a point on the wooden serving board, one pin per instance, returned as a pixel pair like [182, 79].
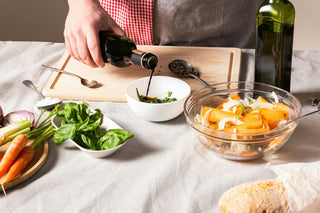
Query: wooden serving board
[214, 64]
[40, 156]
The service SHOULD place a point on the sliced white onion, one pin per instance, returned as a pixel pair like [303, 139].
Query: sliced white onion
[226, 106]
[222, 123]
[205, 118]
[274, 95]
[260, 104]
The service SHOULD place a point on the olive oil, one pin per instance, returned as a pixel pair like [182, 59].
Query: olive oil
[274, 41]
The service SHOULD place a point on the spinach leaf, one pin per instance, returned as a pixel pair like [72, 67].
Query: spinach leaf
[67, 131]
[84, 124]
[75, 113]
[92, 126]
[113, 138]
[96, 115]
[83, 111]
[90, 142]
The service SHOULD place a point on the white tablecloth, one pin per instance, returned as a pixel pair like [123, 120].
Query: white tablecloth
[162, 169]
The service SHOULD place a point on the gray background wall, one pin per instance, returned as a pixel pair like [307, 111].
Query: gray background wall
[32, 20]
[43, 20]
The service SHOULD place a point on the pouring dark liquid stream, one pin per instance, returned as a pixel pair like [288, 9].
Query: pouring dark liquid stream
[152, 71]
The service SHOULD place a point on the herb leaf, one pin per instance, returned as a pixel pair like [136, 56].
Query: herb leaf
[139, 96]
[114, 137]
[155, 100]
[65, 132]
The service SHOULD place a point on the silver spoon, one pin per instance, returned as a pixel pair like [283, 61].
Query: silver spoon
[303, 116]
[183, 69]
[84, 81]
[52, 103]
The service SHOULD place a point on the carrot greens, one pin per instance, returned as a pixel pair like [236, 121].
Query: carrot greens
[43, 130]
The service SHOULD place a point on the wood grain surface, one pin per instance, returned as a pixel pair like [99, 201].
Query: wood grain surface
[214, 64]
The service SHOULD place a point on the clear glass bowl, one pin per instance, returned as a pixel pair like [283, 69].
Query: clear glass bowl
[240, 146]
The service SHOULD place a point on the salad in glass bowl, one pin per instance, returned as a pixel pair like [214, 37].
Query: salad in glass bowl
[242, 120]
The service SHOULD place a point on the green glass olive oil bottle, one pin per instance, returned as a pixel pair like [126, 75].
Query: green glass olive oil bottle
[274, 41]
[122, 52]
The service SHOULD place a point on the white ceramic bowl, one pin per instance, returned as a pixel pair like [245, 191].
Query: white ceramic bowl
[107, 123]
[159, 87]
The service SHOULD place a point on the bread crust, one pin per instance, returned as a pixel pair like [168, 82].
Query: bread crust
[255, 197]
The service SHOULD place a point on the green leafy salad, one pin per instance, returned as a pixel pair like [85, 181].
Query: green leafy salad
[167, 99]
[84, 127]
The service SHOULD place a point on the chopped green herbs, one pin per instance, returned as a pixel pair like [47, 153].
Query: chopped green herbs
[167, 99]
[240, 112]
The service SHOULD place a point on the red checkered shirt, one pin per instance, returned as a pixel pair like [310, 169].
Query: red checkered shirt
[134, 17]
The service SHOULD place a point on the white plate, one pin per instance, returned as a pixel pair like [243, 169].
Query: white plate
[107, 123]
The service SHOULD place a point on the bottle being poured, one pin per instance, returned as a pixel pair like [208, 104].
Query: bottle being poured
[122, 52]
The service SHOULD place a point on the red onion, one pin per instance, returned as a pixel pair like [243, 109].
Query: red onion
[16, 116]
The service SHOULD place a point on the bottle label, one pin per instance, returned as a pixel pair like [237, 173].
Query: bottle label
[144, 59]
[139, 52]
[137, 57]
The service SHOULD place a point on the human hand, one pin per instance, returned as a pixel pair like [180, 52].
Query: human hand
[85, 19]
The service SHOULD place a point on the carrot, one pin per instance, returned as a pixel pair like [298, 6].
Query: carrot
[253, 120]
[22, 161]
[282, 107]
[26, 155]
[12, 152]
[1, 156]
[204, 110]
[217, 115]
[273, 116]
[262, 99]
[242, 129]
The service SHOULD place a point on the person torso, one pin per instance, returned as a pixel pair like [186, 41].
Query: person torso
[221, 23]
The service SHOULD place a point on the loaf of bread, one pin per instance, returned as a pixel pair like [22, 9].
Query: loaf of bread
[255, 197]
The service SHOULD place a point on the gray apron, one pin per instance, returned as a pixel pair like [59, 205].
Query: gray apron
[219, 23]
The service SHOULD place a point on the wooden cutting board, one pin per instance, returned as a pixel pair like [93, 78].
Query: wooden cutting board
[214, 64]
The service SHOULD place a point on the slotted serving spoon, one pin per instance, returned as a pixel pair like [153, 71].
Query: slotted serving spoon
[85, 82]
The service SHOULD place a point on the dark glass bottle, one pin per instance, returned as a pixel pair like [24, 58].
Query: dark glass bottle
[122, 52]
[274, 41]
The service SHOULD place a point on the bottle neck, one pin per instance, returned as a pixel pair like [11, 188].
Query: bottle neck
[144, 59]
